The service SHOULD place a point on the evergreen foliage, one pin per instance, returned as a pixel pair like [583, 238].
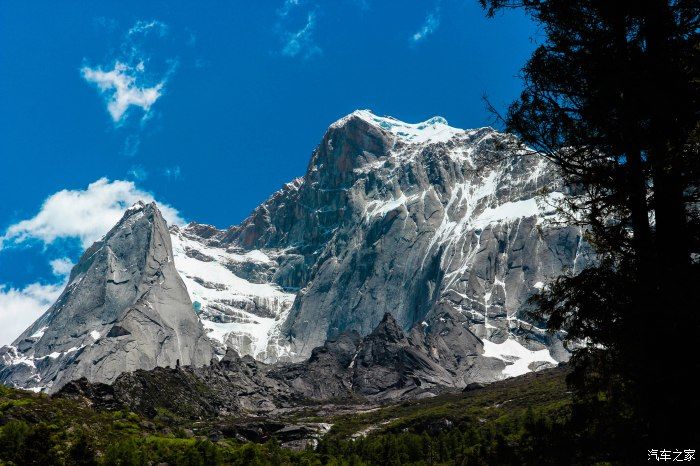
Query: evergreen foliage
[612, 96]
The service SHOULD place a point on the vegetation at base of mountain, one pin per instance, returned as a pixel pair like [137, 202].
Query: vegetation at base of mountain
[42, 430]
[516, 421]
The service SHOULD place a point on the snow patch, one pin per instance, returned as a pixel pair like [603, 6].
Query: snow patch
[39, 333]
[432, 130]
[216, 272]
[211, 283]
[517, 209]
[258, 331]
[516, 355]
[379, 208]
[15, 358]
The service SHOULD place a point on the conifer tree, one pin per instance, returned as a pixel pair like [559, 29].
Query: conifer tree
[612, 95]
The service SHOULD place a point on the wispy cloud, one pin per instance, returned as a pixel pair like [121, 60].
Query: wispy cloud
[131, 145]
[297, 41]
[145, 27]
[138, 173]
[361, 4]
[102, 22]
[85, 215]
[131, 78]
[191, 39]
[287, 7]
[120, 86]
[301, 43]
[430, 25]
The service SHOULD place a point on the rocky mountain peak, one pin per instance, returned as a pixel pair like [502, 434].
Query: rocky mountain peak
[125, 308]
[388, 330]
[428, 222]
[435, 129]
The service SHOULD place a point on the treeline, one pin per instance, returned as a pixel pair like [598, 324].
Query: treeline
[525, 420]
[529, 440]
[517, 421]
[526, 441]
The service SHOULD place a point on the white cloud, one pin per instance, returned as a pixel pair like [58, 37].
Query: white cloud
[61, 267]
[83, 214]
[430, 25]
[19, 308]
[144, 27]
[121, 89]
[301, 41]
[133, 77]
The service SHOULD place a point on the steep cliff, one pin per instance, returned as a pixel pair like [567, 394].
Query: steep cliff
[448, 230]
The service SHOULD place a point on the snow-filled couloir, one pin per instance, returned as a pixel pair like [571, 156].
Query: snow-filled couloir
[237, 303]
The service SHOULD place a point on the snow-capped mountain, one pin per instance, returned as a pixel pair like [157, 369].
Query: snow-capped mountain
[441, 227]
[445, 229]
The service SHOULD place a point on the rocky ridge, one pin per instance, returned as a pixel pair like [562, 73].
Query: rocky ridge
[386, 365]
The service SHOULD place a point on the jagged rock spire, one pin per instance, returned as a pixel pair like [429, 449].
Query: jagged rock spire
[125, 308]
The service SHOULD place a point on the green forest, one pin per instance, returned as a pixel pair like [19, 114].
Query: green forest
[518, 421]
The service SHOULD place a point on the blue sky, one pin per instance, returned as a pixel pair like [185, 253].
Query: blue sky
[209, 107]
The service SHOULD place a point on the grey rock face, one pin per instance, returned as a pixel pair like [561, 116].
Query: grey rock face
[328, 373]
[229, 386]
[390, 364]
[448, 230]
[125, 308]
[452, 223]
